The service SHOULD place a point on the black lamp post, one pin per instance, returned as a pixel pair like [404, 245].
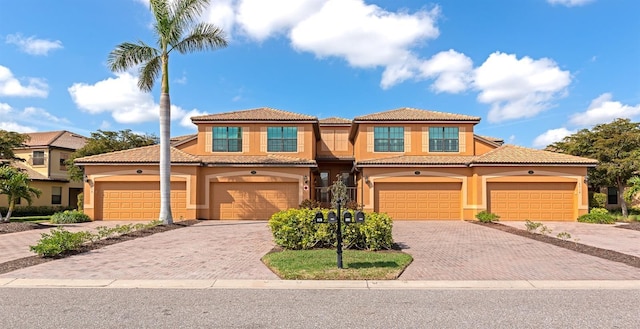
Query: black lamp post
[333, 217]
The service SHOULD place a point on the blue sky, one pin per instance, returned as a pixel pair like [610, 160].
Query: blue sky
[533, 70]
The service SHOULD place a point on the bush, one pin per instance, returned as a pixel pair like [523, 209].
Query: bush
[487, 217]
[30, 211]
[309, 204]
[597, 216]
[59, 241]
[597, 200]
[80, 203]
[69, 216]
[295, 229]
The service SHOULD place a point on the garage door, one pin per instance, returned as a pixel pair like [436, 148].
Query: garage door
[252, 200]
[138, 201]
[419, 200]
[533, 201]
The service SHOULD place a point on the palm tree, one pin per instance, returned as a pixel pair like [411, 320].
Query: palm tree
[15, 184]
[173, 20]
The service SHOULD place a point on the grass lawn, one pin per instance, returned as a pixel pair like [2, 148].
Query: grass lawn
[320, 264]
[31, 219]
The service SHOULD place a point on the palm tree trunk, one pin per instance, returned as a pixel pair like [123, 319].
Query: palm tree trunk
[165, 159]
[12, 204]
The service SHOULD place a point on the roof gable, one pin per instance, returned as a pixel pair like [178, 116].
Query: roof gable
[60, 138]
[335, 121]
[412, 114]
[145, 154]
[512, 154]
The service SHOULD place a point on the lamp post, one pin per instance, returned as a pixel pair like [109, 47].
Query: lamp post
[333, 217]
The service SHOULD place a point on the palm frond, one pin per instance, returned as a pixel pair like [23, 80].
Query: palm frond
[182, 14]
[148, 73]
[204, 36]
[127, 55]
[161, 13]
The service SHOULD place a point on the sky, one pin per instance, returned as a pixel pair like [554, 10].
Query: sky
[533, 70]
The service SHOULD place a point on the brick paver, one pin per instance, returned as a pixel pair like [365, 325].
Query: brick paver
[207, 250]
[457, 250]
[603, 236]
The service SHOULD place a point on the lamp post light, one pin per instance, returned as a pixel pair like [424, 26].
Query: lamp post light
[334, 217]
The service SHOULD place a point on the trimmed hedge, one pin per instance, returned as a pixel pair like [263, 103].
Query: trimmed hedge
[295, 229]
[597, 216]
[69, 216]
[29, 211]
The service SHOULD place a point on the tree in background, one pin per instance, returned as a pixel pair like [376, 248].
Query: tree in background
[104, 142]
[173, 20]
[633, 189]
[10, 140]
[15, 185]
[615, 145]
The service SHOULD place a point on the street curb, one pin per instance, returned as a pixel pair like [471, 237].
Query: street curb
[323, 284]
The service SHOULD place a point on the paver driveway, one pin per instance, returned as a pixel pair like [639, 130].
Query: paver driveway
[442, 250]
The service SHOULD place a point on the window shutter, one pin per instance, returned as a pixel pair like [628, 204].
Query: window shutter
[328, 140]
[462, 145]
[425, 139]
[369, 139]
[263, 139]
[407, 139]
[208, 139]
[341, 140]
[245, 139]
[300, 139]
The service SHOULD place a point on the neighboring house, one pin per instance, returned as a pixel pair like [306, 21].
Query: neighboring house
[45, 154]
[409, 163]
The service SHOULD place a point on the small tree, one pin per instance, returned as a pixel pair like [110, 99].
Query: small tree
[339, 192]
[633, 189]
[15, 185]
[10, 140]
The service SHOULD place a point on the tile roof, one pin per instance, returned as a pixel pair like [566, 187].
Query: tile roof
[255, 160]
[33, 174]
[60, 138]
[412, 114]
[258, 114]
[145, 154]
[512, 154]
[335, 121]
[492, 139]
[419, 160]
[182, 139]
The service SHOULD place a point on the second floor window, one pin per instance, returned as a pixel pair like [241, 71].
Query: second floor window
[63, 161]
[37, 158]
[388, 139]
[227, 139]
[443, 139]
[282, 139]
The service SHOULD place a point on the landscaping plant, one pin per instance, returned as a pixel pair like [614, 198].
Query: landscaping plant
[69, 216]
[487, 217]
[597, 216]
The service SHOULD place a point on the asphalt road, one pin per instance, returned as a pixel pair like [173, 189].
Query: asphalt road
[238, 308]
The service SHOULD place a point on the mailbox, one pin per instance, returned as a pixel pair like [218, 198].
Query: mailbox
[319, 217]
[348, 218]
[359, 217]
[333, 218]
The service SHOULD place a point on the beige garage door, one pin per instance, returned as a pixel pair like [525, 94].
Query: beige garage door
[419, 200]
[137, 201]
[252, 200]
[533, 201]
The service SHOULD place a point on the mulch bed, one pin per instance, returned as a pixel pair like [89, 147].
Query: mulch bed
[13, 227]
[631, 226]
[572, 245]
[35, 260]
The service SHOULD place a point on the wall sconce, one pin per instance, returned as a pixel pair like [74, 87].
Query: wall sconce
[305, 179]
[89, 181]
[366, 179]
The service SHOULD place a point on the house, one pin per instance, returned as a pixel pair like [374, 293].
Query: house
[409, 163]
[45, 154]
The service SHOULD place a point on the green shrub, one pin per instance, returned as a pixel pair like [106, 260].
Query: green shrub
[59, 241]
[487, 217]
[30, 211]
[69, 216]
[295, 229]
[532, 227]
[597, 216]
[597, 200]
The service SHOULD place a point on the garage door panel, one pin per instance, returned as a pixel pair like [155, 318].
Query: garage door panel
[252, 200]
[407, 201]
[139, 201]
[532, 201]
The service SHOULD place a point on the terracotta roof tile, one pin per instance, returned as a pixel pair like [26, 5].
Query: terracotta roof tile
[419, 160]
[512, 154]
[258, 114]
[182, 139]
[60, 138]
[412, 114]
[335, 121]
[145, 154]
[255, 160]
[493, 139]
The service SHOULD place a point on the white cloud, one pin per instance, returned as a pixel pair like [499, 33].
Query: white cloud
[604, 110]
[221, 13]
[121, 97]
[22, 121]
[32, 45]
[261, 19]
[518, 88]
[13, 126]
[569, 3]
[551, 136]
[364, 35]
[186, 119]
[451, 70]
[10, 86]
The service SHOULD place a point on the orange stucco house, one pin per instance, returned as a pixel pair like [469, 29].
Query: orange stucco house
[409, 163]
